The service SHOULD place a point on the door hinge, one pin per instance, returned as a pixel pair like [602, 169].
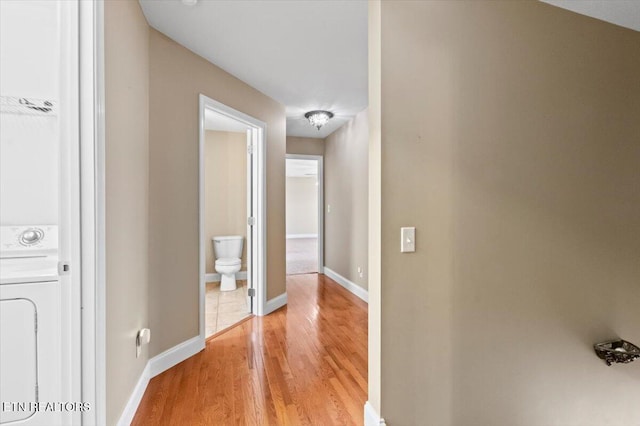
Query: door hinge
[250, 148]
[251, 292]
[251, 221]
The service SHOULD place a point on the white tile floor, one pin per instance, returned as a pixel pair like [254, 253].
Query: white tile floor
[225, 308]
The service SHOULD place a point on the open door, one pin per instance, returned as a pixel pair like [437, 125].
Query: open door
[250, 221]
[215, 116]
[254, 261]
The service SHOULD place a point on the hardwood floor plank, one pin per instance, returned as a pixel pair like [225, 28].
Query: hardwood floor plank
[305, 364]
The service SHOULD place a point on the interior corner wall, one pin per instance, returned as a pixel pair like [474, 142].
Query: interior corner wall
[305, 146]
[510, 140]
[177, 77]
[346, 159]
[127, 190]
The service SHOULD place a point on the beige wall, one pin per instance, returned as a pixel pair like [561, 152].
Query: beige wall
[510, 140]
[302, 205]
[225, 190]
[306, 146]
[127, 191]
[346, 191]
[177, 77]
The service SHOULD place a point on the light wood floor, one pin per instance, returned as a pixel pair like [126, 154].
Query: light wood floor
[305, 364]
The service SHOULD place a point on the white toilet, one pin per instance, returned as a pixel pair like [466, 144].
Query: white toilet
[228, 253]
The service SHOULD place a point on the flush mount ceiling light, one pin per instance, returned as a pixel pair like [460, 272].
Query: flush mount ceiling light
[189, 2]
[318, 118]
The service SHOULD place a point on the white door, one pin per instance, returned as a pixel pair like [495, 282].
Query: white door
[249, 220]
[252, 216]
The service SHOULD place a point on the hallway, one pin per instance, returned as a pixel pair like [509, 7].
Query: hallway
[303, 364]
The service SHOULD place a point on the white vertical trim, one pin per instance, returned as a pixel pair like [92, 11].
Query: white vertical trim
[92, 211]
[349, 285]
[371, 416]
[320, 213]
[319, 159]
[202, 266]
[260, 255]
[70, 200]
[257, 268]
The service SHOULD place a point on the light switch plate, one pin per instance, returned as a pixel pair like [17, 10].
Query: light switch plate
[407, 240]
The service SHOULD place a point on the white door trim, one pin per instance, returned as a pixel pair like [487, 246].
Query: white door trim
[320, 162]
[258, 264]
[92, 211]
[69, 236]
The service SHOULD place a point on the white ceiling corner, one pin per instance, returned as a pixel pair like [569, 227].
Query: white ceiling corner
[306, 55]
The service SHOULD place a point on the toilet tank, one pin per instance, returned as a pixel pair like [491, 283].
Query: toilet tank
[228, 246]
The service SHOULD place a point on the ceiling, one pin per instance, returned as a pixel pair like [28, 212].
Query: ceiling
[301, 168]
[625, 13]
[305, 54]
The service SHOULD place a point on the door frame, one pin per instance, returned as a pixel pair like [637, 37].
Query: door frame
[257, 267]
[319, 159]
[90, 231]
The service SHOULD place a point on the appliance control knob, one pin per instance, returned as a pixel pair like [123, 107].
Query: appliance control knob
[31, 236]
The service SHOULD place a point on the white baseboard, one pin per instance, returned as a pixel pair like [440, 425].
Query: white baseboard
[175, 355]
[156, 365]
[136, 396]
[275, 303]
[371, 416]
[215, 277]
[290, 236]
[349, 285]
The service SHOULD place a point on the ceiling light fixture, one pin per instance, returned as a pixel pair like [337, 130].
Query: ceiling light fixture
[189, 2]
[318, 118]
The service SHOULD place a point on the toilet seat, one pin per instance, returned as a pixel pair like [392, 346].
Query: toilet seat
[228, 261]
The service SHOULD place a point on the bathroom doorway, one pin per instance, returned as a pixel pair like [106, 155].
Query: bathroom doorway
[232, 218]
[305, 214]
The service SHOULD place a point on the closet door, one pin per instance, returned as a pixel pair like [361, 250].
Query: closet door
[40, 189]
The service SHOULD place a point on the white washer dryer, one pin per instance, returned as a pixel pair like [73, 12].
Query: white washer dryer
[30, 325]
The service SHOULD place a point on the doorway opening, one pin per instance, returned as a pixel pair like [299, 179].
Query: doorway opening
[304, 214]
[232, 217]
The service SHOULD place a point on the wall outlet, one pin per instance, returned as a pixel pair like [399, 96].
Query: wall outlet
[360, 272]
[328, 208]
